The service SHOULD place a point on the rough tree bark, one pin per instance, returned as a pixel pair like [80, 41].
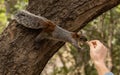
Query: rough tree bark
[20, 55]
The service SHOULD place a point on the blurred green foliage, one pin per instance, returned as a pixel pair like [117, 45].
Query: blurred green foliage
[7, 8]
[2, 15]
[105, 28]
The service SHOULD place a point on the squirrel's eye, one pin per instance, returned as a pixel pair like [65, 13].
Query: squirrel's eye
[22, 15]
[83, 38]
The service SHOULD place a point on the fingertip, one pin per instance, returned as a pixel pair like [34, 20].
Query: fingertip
[89, 43]
[93, 43]
[99, 43]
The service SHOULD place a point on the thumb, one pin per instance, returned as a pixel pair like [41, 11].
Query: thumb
[90, 44]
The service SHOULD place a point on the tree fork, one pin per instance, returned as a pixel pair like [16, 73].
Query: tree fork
[20, 55]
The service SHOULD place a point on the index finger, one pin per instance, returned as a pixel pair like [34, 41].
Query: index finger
[90, 44]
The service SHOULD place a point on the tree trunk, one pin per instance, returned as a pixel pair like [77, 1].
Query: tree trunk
[21, 55]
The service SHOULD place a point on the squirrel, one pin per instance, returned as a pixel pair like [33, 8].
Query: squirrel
[49, 29]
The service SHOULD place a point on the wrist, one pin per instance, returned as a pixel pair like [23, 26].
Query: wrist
[97, 63]
[101, 68]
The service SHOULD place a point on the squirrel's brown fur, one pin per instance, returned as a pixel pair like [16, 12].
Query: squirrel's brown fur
[50, 30]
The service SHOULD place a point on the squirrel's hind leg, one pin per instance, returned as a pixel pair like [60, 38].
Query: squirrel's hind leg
[41, 36]
[39, 40]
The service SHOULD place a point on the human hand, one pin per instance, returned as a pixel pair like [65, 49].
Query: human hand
[98, 51]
